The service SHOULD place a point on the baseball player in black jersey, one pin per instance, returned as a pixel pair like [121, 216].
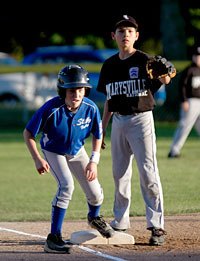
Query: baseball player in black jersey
[189, 88]
[129, 100]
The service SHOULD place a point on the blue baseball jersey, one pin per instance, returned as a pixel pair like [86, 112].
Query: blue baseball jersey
[64, 132]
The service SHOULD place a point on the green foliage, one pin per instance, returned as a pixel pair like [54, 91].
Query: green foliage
[195, 17]
[57, 39]
[26, 196]
[152, 46]
[96, 42]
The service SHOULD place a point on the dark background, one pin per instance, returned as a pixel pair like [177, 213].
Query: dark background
[24, 22]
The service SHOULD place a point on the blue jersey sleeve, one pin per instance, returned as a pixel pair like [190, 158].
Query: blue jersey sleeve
[39, 118]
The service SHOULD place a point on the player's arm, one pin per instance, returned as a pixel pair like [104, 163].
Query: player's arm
[165, 79]
[91, 169]
[41, 164]
[105, 120]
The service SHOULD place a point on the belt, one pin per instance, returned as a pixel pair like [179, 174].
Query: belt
[125, 114]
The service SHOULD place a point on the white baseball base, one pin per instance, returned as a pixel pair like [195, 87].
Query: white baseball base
[93, 237]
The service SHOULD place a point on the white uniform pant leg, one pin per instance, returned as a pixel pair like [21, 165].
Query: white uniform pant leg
[122, 173]
[62, 168]
[62, 174]
[186, 122]
[141, 137]
[197, 123]
[92, 189]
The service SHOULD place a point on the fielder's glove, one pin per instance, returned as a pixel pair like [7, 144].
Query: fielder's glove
[158, 67]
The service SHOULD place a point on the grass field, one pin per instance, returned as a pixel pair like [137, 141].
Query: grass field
[26, 196]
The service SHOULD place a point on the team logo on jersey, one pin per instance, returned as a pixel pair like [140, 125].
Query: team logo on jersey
[83, 123]
[133, 72]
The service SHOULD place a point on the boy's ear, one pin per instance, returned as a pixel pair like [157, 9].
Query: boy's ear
[113, 35]
[137, 35]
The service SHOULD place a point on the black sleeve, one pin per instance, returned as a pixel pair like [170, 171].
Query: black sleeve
[183, 82]
[101, 87]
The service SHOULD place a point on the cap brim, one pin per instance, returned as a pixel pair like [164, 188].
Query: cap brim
[125, 23]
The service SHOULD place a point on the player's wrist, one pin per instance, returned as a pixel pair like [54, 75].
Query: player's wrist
[95, 157]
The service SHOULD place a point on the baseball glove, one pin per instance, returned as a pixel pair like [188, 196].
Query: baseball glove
[158, 67]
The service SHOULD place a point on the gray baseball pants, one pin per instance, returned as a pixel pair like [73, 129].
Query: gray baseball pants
[187, 121]
[133, 136]
[62, 168]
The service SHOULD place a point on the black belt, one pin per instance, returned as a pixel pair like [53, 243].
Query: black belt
[126, 113]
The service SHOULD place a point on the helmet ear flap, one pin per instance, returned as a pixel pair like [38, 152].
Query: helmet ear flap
[61, 92]
[87, 92]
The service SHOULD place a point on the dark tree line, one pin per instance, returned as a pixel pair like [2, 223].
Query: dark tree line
[168, 20]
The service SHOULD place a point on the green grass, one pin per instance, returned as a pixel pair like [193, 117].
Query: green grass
[26, 196]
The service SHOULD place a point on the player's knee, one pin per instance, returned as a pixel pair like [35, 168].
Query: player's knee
[67, 190]
[65, 193]
[153, 189]
[96, 199]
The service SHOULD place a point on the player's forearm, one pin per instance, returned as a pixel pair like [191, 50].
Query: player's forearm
[31, 145]
[165, 80]
[96, 147]
[96, 144]
[106, 116]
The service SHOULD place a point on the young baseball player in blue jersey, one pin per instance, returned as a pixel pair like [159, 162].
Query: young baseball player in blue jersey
[65, 122]
[129, 100]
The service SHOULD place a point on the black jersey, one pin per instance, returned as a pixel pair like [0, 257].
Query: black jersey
[189, 85]
[126, 84]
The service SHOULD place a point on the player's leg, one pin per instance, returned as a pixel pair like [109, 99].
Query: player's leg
[197, 123]
[63, 177]
[144, 147]
[187, 121]
[122, 172]
[93, 192]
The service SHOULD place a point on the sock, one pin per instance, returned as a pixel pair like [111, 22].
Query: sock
[93, 210]
[57, 218]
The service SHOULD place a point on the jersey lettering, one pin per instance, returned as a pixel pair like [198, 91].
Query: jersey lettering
[83, 123]
[130, 88]
[195, 82]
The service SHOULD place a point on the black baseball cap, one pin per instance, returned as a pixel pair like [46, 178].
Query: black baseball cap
[126, 20]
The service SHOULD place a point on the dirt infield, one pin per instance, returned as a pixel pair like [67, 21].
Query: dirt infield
[25, 240]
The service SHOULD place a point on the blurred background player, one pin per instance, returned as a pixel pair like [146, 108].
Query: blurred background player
[65, 122]
[189, 91]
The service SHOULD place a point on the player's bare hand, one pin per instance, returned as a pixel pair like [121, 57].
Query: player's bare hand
[103, 144]
[91, 171]
[185, 106]
[42, 166]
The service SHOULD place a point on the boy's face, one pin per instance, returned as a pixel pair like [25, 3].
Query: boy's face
[125, 36]
[196, 59]
[74, 97]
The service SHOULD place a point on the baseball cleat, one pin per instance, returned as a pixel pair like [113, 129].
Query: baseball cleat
[119, 229]
[157, 236]
[100, 224]
[172, 155]
[55, 244]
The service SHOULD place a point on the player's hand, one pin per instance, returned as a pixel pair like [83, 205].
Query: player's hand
[103, 144]
[91, 171]
[42, 166]
[185, 106]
